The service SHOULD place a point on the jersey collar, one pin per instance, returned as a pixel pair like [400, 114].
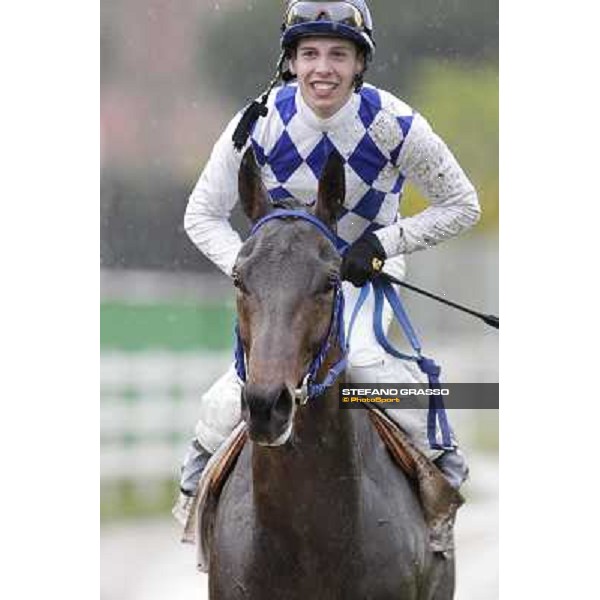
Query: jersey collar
[333, 122]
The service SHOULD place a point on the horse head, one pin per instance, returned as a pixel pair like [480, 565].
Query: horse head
[287, 279]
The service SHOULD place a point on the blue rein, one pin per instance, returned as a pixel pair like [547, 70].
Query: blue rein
[381, 288]
[436, 415]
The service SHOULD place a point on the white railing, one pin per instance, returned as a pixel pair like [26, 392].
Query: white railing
[149, 401]
[149, 406]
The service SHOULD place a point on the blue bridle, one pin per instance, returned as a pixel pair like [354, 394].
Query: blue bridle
[309, 388]
[381, 289]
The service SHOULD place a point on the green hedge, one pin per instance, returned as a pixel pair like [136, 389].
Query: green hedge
[178, 327]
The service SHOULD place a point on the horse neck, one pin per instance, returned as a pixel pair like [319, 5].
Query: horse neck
[319, 464]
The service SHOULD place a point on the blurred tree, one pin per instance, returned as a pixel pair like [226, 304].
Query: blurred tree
[461, 102]
[241, 45]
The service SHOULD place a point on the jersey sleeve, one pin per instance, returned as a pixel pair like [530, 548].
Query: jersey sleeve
[426, 161]
[209, 207]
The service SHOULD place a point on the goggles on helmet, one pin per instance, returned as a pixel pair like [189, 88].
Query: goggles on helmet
[342, 19]
[336, 12]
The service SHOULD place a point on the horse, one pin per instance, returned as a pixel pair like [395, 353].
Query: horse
[315, 508]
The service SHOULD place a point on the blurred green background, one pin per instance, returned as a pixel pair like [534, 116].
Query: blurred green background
[173, 74]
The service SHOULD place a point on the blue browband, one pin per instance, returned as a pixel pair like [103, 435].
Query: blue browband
[281, 213]
[381, 288]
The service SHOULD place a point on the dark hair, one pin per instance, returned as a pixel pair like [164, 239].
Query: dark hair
[293, 47]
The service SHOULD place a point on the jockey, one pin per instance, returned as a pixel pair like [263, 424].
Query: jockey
[323, 105]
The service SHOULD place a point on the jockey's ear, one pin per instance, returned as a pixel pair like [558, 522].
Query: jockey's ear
[253, 194]
[332, 190]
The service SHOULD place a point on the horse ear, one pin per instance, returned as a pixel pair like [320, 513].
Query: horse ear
[332, 190]
[253, 194]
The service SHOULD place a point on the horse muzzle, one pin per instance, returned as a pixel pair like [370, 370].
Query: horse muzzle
[269, 413]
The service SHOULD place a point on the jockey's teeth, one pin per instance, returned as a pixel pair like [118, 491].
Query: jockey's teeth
[324, 87]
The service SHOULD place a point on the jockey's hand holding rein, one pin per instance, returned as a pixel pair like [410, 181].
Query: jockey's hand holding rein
[363, 260]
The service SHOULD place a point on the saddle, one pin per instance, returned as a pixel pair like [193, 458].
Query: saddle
[439, 500]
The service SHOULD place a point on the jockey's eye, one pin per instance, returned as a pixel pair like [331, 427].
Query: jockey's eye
[308, 53]
[340, 54]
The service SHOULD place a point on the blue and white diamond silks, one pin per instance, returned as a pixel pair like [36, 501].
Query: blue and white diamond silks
[367, 160]
[292, 149]
[318, 157]
[284, 158]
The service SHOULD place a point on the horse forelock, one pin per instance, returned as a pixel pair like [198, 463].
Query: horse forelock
[288, 243]
[289, 204]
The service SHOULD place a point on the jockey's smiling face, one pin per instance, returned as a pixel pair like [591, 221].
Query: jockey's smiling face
[326, 68]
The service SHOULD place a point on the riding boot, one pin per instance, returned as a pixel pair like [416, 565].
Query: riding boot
[194, 464]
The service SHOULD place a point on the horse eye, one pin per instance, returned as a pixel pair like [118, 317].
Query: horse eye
[236, 279]
[326, 288]
[333, 280]
[238, 283]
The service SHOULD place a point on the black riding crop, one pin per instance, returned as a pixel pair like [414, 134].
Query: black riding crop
[491, 320]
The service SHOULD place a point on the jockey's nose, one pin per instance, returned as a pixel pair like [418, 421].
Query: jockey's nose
[323, 67]
[267, 409]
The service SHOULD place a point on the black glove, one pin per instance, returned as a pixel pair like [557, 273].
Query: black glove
[363, 260]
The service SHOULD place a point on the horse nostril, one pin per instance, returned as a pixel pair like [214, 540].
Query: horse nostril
[268, 410]
[284, 404]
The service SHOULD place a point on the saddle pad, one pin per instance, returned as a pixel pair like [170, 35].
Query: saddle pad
[198, 527]
[439, 499]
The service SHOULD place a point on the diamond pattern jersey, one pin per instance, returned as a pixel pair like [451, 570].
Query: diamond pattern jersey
[383, 143]
[292, 150]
